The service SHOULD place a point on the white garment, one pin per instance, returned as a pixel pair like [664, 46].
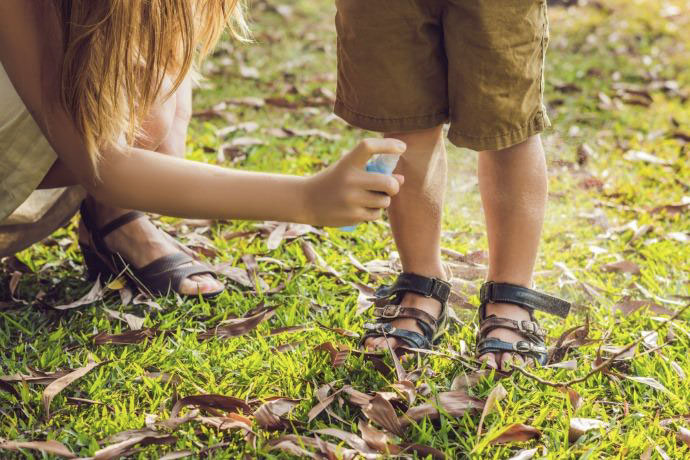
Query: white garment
[25, 154]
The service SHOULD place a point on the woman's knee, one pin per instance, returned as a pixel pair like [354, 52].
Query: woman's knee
[160, 121]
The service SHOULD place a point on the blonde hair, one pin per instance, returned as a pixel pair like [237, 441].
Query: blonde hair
[118, 52]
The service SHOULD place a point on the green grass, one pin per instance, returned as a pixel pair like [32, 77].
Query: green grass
[593, 47]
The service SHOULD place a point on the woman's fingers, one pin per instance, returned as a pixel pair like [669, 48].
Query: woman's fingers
[383, 183]
[376, 200]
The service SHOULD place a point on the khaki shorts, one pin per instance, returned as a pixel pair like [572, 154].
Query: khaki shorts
[405, 65]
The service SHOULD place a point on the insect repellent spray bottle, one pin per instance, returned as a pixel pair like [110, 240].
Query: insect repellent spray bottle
[383, 163]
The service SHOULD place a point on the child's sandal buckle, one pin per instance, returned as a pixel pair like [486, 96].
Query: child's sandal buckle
[390, 311]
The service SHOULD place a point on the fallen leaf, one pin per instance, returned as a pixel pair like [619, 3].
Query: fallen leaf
[338, 352]
[463, 382]
[210, 402]
[95, 294]
[351, 439]
[573, 396]
[628, 307]
[570, 365]
[14, 282]
[236, 274]
[364, 296]
[517, 432]
[623, 266]
[683, 435]
[649, 381]
[238, 326]
[60, 384]
[670, 209]
[325, 400]
[579, 426]
[51, 446]
[338, 330]
[288, 329]
[276, 236]
[269, 414]
[638, 155]
[381, 411]
[496, 395]
[126, 338]
[313, 257]
[132, 438]
[524, 454]
[41, 378]
[453, 403]
[134, 322]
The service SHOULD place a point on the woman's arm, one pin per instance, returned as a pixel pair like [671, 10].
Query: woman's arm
[140, 179]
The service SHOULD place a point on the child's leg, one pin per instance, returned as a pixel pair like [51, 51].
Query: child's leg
[513, 187]
[415, 216]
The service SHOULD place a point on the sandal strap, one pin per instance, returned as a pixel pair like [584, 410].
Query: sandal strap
[422, 285]
[492, 292]
[118, 222]
[530, 329]
[525, 348]
[166, 272]
[411, 338]
[391, 312]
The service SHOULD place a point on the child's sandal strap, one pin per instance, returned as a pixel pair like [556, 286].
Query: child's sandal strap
[411, 338]
[527, 328]
[422, 285]
[492, 292]
[536, 351]
[391, 312]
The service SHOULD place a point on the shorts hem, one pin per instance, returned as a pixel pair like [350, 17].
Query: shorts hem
[537, 125]
[382, 125]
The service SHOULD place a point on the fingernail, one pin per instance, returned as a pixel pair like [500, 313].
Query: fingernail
[400, 145]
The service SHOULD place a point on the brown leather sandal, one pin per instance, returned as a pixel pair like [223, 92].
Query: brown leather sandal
[533, 345]
[388, 309]
[157, 278]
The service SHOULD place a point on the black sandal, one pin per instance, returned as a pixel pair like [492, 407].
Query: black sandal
[387, 309]
[533, 346]
[157, 278]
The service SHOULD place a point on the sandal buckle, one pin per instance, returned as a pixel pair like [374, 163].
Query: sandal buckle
[523, 347]
[529, 327]
[390, 311]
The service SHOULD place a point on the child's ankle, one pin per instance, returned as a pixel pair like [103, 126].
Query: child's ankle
[507, 310]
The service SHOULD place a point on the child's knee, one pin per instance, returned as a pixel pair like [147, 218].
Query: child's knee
[420, 142]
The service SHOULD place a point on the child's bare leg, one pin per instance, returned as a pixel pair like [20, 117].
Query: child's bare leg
[415, 216]
[513, 187]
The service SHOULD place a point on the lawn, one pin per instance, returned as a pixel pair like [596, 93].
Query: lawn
[284, 335]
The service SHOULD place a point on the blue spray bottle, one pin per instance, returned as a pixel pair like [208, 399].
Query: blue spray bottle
[383, 163]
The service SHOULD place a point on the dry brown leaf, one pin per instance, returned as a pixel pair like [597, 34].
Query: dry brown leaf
[573, 396]
[671, 209]
[525, 454]
[356, 397]
[210, 402]
[36, 376]
[50, 446]
[288, 329]
[381, 411]
[364, 297]
[627, 307]
[517, 432]
[14, 282]
[95, 294]
[239, 326]
[683, 435]
[453, 403]
[579, 426]
[134, 322]
[132, 438]
[60, 384]
[570, 365]
[350, 439]
[324, 400]
[623, 266]
[338, 330]
[407, 389]
[649, 381]
[496, 395]
[276, 236]
[339, 352]
[236, 274]
[126, 338]
[463, 382]
[269, 414]
[376, 439]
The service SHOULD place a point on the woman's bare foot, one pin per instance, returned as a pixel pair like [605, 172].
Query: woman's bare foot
[141, 242]
[505, 310]
[429, 305]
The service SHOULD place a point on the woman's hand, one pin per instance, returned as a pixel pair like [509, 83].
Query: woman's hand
[345, 194]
